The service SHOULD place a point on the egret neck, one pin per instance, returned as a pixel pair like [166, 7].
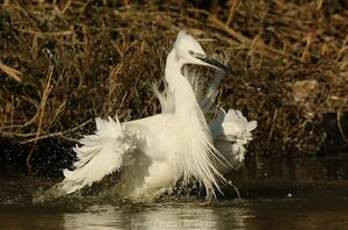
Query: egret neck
[196, 159]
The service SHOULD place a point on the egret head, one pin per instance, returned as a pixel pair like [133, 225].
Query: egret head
[189, 51]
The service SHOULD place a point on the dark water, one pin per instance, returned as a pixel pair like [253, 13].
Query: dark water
[277, 194]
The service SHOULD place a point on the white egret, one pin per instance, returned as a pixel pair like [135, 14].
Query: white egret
[153, 153]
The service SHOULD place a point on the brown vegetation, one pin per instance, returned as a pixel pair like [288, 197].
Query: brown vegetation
[64, 62]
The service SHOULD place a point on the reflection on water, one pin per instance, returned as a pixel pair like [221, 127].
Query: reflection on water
[164, 216]
[167, 217]
[158, 216]
[279, 194]
[175, 218]
[251, 214]
[95, 217]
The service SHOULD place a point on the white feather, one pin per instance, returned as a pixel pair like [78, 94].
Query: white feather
[99, 155]
[233, 130]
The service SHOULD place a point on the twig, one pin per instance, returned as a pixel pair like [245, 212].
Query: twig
[233, 8]
[15, 134]
[46, 34]
[275, 115]
[56, 134]
[46, 92]
[339, 125]
[268, 51]
[31, 121]
[15, 74]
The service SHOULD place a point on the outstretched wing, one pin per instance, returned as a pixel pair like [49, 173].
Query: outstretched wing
[98, 155]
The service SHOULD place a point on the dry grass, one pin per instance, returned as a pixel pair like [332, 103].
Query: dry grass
[64, 62]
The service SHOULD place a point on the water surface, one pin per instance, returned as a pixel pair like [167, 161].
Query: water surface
[276, 194]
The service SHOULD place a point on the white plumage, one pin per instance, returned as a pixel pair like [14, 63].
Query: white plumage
[100, 154]
[231, 131]
[154, 153]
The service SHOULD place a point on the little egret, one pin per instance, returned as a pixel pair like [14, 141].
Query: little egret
[154, 153]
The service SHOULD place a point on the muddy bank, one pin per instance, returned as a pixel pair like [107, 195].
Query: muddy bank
[62, 63]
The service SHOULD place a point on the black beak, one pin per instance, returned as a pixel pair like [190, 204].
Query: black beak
[217, 64]
[213, 62]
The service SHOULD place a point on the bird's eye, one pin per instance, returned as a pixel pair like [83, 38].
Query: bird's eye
[191, 52]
